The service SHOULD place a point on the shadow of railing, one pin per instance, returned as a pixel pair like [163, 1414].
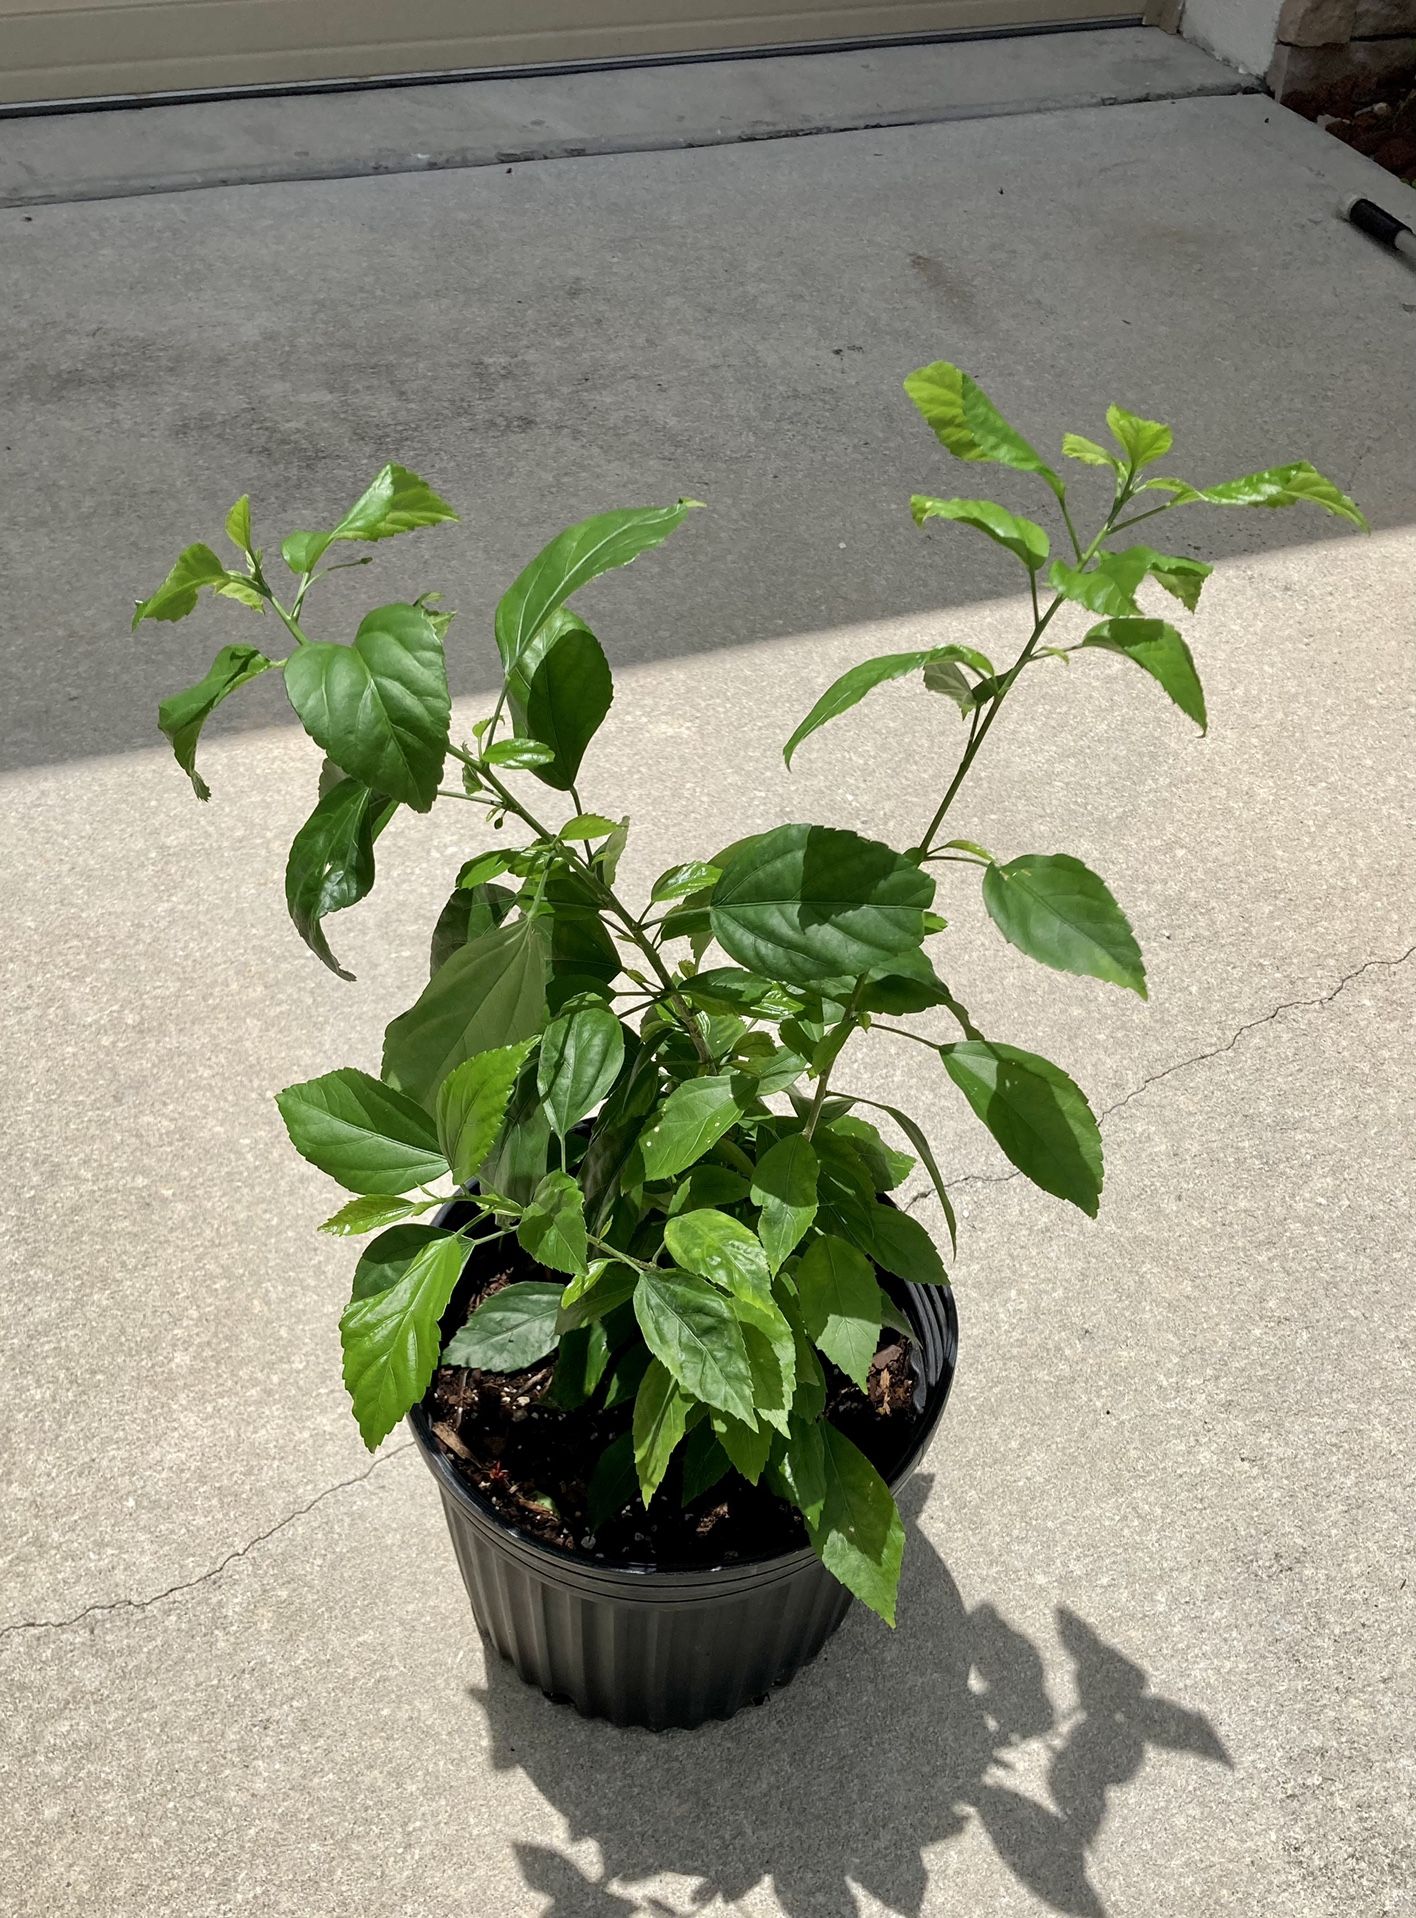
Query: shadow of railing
[890, 1744]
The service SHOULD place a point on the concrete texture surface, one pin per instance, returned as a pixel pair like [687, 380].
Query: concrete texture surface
[494, 122]
[1155, 1652]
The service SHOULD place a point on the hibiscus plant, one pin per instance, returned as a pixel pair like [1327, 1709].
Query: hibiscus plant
[648, 1097]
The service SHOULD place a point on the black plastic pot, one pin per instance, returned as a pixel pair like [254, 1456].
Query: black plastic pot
[644, 1647]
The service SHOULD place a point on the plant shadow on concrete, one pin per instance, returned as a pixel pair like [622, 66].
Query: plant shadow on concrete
[888, 1745]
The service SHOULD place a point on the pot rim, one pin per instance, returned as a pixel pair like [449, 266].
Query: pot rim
[920, 1303]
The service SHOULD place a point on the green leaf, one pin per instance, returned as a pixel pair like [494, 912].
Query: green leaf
[582, 553]
[560, 690]
[1142, 441]
[362, 1133]
[888, 1168]
[696, 875]
[896, 1242]
[810, 903]
[598, 1290]
[692, 1329]
[514, 1328]
[367, 1215]
[1159, 650]
[582, 1359]
[195, 567]
[1108, 586]
[747, 1450]
[380, 707]
[389, 1331]
[612, 1482]
[661, 1409]
[517, 1162]
[238, 526]
[841, 1305]
[1040, 1119]
[581, 1056]
[552, 1228]
[857, 1532]
[713, 1245]
[586, 825]
[487, 865]
[520, 755]
[182, 716]
[694, 1117]
[943, 676]
[1077, 446]
[784, 1187]
[704, 1462]
[331, 863]
[922, 1146]
[469, 912]
[1290, 485]
[857, 681]
[396, 501]
[471, 1105]
[967, 422]
[489, 993]
[1059, 912]
[1021, 537]
[1181, 577]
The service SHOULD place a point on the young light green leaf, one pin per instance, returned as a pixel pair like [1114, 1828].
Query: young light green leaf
[471, 1105]
[559, 690]
[368, 1215]
[841, 1305]
[945, 677]
[694, 1117]
[1021, 537]
[520, 755]
[696, 875]
[967, 422]
[1059, 912]
[1076, 446]
[586, 825]
[1038, 1116]
[396, 501]
[661, 1409]
[195, 567]
[379, 707]
[389, 1330]
[857, 1532]
[1290, 485]
[715, 1246]
[582, 553]
[331, 863]
[362, 1133]
[238, 526]
[491, 992]
[1142, 441]
[552, 1228]
[784, 1187]
[810, 903]
[857, 681]
[1158, 649]
[692, 1329]
[596, 1292]
[581, 1056]
[182, 716]
[1108, 585]
[1181, 576]
[509, 1331]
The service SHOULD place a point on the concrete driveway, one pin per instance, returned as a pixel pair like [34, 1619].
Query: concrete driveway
[1155, 1652]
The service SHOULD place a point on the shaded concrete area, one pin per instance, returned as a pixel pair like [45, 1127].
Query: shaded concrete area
[1155, 1650]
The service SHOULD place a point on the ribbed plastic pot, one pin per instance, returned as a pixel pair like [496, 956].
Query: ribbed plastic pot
[655, 1648]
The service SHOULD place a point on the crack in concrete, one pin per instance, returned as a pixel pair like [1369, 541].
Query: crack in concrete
[190, 1584]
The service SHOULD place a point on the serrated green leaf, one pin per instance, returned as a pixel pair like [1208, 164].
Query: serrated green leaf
[362, 1133]
[841, 1304]
[661, 1411]
[182, 716]
[585, 825]
[715, 1246]
[857, 681]
[888, 1168]
[695, 875]
[1181, 576]
[581, 1056]
[519, 755]
[238, 525]
[603, 1286]
[379, 707]
[509, 1331]
[694, 1117]
[367, 1215]
[396, 501]
[857, 1531]
[582, 1359]
[1038, 1116]
[1290, 485]
[1021, 537]
[1059, 912]
[1142, 441]
[195, 567]
[389, 1330]
[331, 862]
[1158, 649]
[491, 992]
[704, 1462]
[1076, 446]
[692, 1329]
[471, 1105]
[944, 677]
[917, 1139]
[809, 903]
[784, 1187]
[552, 1228]
[1108, 586]
[895, 1241]
[967, 422]
[747, 1450]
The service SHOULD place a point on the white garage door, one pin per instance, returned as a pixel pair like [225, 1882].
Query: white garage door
[74, 49]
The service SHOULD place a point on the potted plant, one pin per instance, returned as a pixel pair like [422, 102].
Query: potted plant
[633, 1272]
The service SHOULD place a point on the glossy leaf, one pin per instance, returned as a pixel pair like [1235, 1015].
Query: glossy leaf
[1108, 586]
[396, 501]
[967, 422]
[1142, 441]
[238, 525]
[197, 566]
[696, 875]
[513, 1329]
[489, 993]
[559, 692]
[469, 912]
[811, 903]
[362, 1133]
[784, 1187]
[182, 716]
[857, 681]
[1296, 484]
[367, 1215]
[661, 1409]
[694, 1117]
[1158, 649]
[552, 1228]
[471, 1105]
[1021, 537]
[1077, 446]
[1059, 912]
[389, 1330]
[857, 1531]
[841, 1305]
[379, 707]
[331, 862]
[1038, 1116]
[692, 1329]
[603, 1286]
[581, 1056]
[520, 755]
[715, 1246]
[1182, 577]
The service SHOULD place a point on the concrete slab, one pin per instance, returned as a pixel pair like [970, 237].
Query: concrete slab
[1167, 1524]
[495, 122]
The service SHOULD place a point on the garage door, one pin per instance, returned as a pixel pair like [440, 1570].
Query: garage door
[74, 49]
